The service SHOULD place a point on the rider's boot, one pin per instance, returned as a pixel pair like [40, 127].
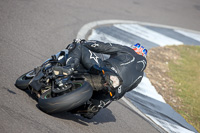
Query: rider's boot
[92, 110]
[96, 105]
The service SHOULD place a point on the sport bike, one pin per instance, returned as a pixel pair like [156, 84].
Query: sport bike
[56, 93]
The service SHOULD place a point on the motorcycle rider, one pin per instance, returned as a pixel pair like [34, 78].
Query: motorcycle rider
[118, 74]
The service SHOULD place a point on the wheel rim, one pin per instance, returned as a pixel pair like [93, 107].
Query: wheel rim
[49, 93]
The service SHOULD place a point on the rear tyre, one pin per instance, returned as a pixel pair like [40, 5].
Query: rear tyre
[68, 101]
[23, 81]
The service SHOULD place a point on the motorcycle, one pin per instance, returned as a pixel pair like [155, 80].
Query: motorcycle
[57, 93]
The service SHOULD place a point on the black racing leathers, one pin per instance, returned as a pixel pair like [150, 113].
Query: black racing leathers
[124, 61]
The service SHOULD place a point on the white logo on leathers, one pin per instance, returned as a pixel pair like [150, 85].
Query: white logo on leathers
[68, 60]
[143, 62]
[128, 62]
[93, 56]
[114, 69]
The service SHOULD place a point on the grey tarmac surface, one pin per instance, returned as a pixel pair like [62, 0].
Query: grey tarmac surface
[32, 30]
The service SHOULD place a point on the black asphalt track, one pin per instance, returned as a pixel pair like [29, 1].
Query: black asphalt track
[33, 30]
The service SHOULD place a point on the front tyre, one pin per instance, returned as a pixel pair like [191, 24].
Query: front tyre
[23, 81]
[66, 102]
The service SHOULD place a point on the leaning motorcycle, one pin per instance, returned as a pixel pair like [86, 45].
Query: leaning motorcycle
[57, 93]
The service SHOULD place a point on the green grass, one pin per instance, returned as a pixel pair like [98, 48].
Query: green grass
[186, 74]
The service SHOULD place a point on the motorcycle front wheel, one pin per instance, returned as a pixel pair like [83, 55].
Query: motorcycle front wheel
[23, 81]
[81, 92]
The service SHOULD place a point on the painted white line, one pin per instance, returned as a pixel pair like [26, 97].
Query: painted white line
[189, 34]
[87, 27]
[132, 106]
[148, 34]
[169, 127]
[150, 92]
[158, 127]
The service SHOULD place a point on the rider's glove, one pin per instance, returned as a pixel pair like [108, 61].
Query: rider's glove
[58, 70]
[112, 80]
[72, 46]
[109, 78]
[79, 40]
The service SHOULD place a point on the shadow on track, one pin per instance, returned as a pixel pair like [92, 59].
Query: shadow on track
[104, 116]
[9, 90]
